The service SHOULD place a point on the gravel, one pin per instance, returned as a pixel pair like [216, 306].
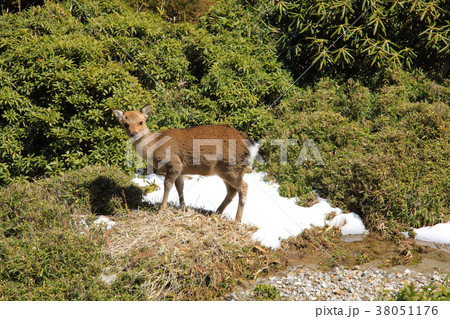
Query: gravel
[299, 283]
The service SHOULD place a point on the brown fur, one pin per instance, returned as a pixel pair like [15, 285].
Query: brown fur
[230, 165]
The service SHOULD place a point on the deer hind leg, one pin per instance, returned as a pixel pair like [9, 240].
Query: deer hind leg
[240, 187]
[231, 192]
[179, 184]
[242, 190]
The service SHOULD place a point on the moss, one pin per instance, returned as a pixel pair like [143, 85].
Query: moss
[265, 293]
[45, 251]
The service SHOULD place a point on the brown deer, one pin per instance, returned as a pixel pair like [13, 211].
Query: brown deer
[203, 150]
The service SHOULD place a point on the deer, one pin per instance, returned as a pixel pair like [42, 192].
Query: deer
[215, 149]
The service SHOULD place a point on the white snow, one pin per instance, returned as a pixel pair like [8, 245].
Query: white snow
[104, 221]
[351, 224]
[275, 216]
[108, 279]
[439, 233]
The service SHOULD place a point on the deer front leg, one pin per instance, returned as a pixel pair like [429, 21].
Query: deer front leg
[168, 183]
[231, 192]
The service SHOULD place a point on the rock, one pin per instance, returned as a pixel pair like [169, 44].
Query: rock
[437, 278]
[231, 297]
[340, 284]
[337, 291]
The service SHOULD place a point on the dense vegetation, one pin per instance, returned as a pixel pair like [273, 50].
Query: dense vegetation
[354, 38]
[379, 118]
[43, 252]
[64, 66]
[385, 152]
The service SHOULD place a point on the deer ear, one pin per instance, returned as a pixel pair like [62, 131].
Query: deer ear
[146, 110]
[118, 114]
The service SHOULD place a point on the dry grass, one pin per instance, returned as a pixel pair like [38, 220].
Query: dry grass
[184, 255]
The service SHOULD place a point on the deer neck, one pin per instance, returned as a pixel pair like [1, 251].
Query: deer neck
[144, 139]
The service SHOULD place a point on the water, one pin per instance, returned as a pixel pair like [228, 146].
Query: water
[353, 237]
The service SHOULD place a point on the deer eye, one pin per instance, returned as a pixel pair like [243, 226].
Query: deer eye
[141, 123]
[126, 125]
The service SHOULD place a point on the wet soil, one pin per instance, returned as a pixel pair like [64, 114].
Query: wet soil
[321, 250]
[435, 257]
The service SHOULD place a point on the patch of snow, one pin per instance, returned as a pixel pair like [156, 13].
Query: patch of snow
[350, 224]
[275, 216]
[439, 233]
[104, 221]
[84, 224]
[108, 279]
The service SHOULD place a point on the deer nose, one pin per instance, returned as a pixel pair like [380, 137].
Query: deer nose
[133, 134]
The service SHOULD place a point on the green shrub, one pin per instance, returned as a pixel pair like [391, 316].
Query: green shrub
[431, 292]
[177, 10]
[46, 251]
[61, 75]
[265, 293]
[357, 38]
[385, 152]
